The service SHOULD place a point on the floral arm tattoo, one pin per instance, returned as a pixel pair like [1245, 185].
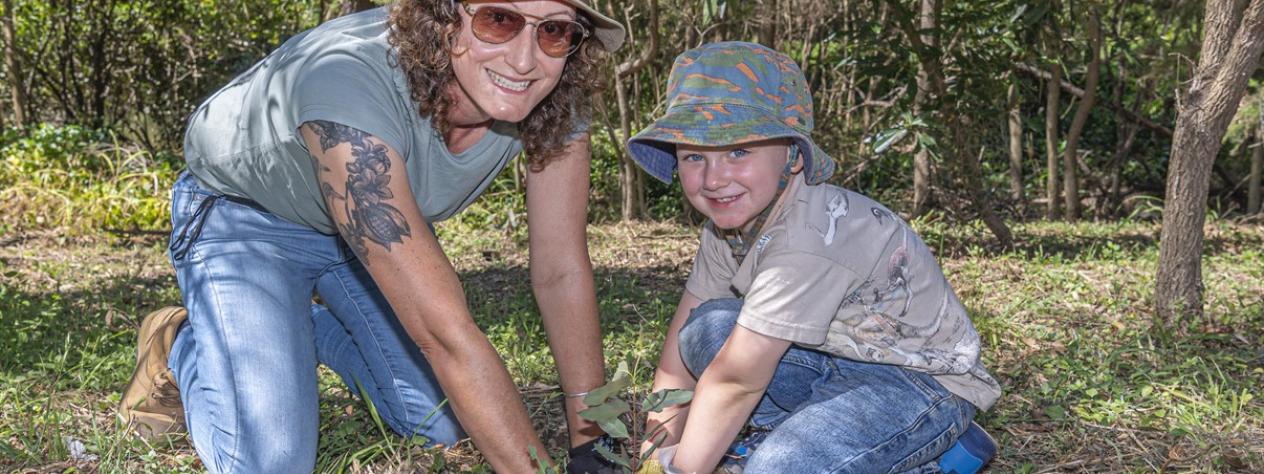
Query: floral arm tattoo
[369, 215]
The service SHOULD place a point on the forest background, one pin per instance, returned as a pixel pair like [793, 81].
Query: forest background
[1042, 147]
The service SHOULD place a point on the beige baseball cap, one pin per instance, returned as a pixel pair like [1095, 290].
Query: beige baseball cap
[609, 32]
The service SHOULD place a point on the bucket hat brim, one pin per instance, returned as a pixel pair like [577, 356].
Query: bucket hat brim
[719, 124]
[609, 33]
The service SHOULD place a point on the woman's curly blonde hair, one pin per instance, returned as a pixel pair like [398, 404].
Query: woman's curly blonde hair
[423, 32]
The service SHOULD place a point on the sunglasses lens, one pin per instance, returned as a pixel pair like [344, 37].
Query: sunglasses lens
[558, 37]
[496, 25]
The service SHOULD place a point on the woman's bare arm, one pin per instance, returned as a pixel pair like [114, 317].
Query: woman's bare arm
[367, 191]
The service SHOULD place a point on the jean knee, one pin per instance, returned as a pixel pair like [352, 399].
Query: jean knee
[704, 333]
[283, 451]
[438, 426]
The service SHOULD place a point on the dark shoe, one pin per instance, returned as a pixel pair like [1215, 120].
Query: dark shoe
[972, 451]
[151, 401]
[734, 461]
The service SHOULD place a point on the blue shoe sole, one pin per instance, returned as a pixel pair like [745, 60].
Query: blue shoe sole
[970, 453]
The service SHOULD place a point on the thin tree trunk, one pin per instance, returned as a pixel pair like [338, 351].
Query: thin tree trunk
[12, 66]
[1123, 138]
[768, 24]
[1015, 144]
[969, 171]
[1070, 160]
[1051, 142]
[1230, 52]
[1031, 156]
[972, 174]
[103, 16]
[629, 180]
[926, 71]
[629, 194]
[1257, 168]
[1123, 148]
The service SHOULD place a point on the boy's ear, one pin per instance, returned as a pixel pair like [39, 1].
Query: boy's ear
[794, 159]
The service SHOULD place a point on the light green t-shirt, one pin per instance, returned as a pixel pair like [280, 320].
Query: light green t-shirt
[838, 272]
[244, 140]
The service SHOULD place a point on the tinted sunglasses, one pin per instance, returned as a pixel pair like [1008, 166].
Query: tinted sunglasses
[557, 37]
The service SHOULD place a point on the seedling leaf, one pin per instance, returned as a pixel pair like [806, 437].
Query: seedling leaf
[612, 456]
[621, 380]
[661, 399]
[606, 411]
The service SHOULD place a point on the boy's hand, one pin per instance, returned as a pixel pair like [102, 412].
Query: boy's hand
[586, 460]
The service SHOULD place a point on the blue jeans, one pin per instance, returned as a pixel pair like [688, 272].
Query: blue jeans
[245, 361]
[830, 414]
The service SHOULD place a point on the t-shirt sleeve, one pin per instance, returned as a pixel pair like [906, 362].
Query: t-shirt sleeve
[338, 86]
[713, 269]
[795, 296]
[581, 123]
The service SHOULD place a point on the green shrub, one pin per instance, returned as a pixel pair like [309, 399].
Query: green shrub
[80, 180]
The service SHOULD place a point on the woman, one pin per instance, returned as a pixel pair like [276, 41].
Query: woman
[321, 169]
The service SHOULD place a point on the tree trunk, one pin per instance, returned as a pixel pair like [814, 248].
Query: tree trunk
[1230, 52]
[972, 174]
[630, 192]
[1051, 141]
[768, 19]
[1015, 145]
[926, 70]
[1257, 168]
[931, 80]
[1123, 148]
[1070, 160]
[630, 179]
[12, 66]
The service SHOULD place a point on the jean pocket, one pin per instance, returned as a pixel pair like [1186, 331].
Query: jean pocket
[182, 238]
[932, 450]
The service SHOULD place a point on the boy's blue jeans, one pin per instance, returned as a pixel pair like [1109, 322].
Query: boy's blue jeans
[830, 414]
[246, 359]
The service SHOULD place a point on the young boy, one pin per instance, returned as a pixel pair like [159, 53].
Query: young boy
[813, 312]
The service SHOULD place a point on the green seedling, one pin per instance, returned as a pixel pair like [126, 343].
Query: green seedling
[607, 406]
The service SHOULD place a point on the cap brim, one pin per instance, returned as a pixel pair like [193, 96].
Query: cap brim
[609, 33]
[654, 148]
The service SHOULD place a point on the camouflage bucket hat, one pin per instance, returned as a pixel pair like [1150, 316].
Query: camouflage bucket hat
[729, 93]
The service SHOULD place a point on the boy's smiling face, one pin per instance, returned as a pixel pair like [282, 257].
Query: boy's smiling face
[733, 184]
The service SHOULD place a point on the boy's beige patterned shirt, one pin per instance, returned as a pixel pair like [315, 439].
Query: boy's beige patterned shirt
[837, 272]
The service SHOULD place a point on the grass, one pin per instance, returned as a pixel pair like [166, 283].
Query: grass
[1091, 383]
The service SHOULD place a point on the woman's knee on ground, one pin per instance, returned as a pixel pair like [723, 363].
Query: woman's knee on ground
[704, 333]
[279, 450]
[438, 425]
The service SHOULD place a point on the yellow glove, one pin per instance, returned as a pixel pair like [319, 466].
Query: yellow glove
[651, 466]
[659, 462]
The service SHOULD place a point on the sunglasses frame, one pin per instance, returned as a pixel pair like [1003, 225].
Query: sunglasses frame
[535, 27]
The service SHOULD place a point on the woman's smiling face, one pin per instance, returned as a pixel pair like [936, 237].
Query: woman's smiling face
[505, 81]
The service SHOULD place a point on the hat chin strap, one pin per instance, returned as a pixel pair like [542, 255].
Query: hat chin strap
[740, 240]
